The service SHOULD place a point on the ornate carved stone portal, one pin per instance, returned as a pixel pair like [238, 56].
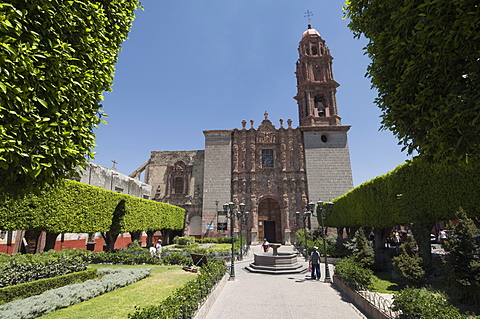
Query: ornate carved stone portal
[268, 175]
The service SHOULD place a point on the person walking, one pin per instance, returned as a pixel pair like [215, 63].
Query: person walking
[315, 263]
[265, 245]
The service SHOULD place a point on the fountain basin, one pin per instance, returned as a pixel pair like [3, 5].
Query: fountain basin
[281, 263]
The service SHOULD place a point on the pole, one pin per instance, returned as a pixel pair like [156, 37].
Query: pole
[232, 266]
[240, 220]
[327, 272]
[305, 233]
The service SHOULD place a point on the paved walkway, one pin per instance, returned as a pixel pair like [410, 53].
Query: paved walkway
[280, 296]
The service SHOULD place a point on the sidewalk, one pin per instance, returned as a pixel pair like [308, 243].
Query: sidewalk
[280, 296]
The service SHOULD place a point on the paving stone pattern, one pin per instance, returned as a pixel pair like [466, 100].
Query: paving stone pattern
[280, 296]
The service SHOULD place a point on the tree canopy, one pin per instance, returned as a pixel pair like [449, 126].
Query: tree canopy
[56, 59]
[426, 66]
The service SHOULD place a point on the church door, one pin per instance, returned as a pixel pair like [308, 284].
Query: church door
[269, 228]
[269, 220]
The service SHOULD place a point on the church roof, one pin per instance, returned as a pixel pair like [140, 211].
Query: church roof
[310, 32]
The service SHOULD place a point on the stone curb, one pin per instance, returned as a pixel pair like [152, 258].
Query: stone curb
[212, 297]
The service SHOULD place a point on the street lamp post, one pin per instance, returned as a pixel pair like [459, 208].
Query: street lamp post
[322, 214]
[305, 217]
[241, 215]
[229, 210]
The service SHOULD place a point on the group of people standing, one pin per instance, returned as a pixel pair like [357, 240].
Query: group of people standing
[156, 249]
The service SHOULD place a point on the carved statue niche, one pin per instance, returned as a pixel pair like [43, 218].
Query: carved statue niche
[179, 178]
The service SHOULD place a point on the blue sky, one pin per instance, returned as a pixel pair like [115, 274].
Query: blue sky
[196, 65]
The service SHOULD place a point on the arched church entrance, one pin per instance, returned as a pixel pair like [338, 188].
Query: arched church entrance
[269, 220]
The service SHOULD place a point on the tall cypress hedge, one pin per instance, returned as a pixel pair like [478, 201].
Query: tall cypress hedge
[415, 192]
[73, 207]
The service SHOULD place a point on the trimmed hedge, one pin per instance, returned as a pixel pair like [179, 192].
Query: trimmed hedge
[37, 287]
[21, 268]
[124, 258]
[54, 299]
[415, 192]
[73, 207]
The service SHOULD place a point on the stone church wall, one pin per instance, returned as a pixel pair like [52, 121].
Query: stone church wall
[217, 179]
[328, 167]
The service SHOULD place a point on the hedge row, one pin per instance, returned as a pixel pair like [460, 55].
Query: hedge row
[54, 299]
[413, 192]
[73, 207]
[37, 287]
[21, 268]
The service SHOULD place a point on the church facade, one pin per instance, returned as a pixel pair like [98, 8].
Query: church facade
[274, 171]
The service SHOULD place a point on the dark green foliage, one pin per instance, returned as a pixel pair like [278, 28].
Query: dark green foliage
[25, 268]
[409, 264]
[177, 258]
[73, 207]
[57, 59]
[185, 301]
[425, 67]
[463, 260]
[363, 253]
[36, 287]
[353, 274]
[424, 304]
[125, 258]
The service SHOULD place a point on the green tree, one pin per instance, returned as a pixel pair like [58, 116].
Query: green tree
[425, 67]
[464, 259]
[363, 253]
[57, 58]
[409, 263]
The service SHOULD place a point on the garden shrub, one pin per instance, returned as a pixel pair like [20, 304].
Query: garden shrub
[4, 257]
[409, 264]
[353, 275]
[187, 240]
[36, 287]
[26, 267]
[177, 258]
[423, 304]
[125, 258]
[54, 299]
[185, 300]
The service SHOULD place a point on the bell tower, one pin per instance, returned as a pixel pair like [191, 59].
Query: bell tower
[325, 142]
[316, 88]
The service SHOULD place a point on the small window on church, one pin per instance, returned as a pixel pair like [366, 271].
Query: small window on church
[179, 185]
[267, 158]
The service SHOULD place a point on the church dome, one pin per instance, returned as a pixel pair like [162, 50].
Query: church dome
[309, 32]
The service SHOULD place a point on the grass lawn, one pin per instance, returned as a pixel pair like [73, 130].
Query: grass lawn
[383, 283]
[119, 303]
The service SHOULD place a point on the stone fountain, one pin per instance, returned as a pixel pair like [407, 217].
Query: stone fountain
[275, 263]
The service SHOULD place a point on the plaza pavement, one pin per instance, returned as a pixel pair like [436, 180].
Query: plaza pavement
[280, 296]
